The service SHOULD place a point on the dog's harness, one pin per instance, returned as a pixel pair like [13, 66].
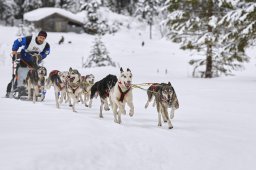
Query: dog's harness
[41, 82]
[74, 86]
[54, 72]
[58, 81]
[106, 94]
[154, 88]
[122, 93]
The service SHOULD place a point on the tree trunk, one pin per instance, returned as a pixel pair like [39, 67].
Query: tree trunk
[208, 71]
[150, 31]
[119, 7]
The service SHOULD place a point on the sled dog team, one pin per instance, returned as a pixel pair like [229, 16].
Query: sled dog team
[71, 87]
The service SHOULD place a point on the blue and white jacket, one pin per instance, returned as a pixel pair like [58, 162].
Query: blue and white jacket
[31, 46]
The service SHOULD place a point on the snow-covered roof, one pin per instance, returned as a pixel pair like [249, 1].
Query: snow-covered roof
[41, 13]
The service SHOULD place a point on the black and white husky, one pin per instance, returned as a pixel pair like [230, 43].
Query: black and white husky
[58, 80]
[35, 82]
[102, 88]
[122, 94]
[165, 97]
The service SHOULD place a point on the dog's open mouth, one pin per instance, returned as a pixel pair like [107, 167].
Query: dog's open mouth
[72, 79]
[127, 84]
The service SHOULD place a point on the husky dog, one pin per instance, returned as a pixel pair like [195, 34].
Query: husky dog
[122, 94]
[103, 88]
[86, 84]
[74, 88]
[35, 82]
[58, 80]
[165, 97]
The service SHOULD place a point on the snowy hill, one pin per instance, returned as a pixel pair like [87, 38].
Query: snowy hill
[213, 128]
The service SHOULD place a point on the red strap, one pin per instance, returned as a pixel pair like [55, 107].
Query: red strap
[54, 72]
[122, 93]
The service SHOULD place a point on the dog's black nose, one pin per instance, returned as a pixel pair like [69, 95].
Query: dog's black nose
[169, 97]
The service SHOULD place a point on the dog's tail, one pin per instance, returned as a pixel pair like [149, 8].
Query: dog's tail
[93, 91]
[175, 102]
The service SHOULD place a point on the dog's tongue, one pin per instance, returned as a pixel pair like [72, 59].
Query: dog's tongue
[128, 84]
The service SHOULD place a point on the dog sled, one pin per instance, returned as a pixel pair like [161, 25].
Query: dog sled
[17, 88]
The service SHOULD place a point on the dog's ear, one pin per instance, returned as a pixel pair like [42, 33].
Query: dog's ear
[92, 76]
[121, 69]
[128, 69]
[70, 69]
[169, 83]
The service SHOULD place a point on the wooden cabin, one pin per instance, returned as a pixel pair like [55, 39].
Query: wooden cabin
[54, 20]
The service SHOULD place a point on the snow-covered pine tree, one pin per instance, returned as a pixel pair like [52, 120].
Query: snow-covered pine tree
[69, 5]
[19, 11]
[7, 10]
[48, 3]
[195, 24]
[99, 56]
[2, 9]
[91, 6]
[241, 21]
[120, 6]
[30, 5]
[147, 10]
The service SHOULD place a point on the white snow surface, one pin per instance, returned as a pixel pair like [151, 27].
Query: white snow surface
[214, 128]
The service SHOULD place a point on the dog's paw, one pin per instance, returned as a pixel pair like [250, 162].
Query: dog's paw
[131, 113]
[123, 112]
[90, 104]
[86, 105]
[170, 125]
[172, 114]
[154, 104]
[106, 108]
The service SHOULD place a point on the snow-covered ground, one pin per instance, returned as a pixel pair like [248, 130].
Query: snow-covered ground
[214, 128]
